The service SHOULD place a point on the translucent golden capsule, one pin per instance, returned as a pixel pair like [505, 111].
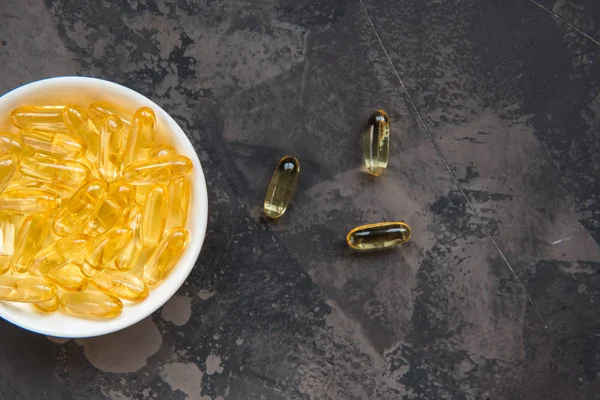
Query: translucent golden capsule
[8, 167]
[58, 254]
[179, 202]
[378, 236]
[158, 169]
[165, 256]
[115, 207]
[141, 135]
[48, 306]
[106, 247]
[162, 150]
[49, 169]
[376, 143]
[100, 110]
[154, 215]
[7, 242]
[11, 143]
[282, 187]
[69, 278]
[121, 284]
[80, 208]
[30, 289]
[28, 200]
[113, 138]
[30, 239]
[79, 124]
[61, 190]
[135, 254]
[91, 304]
[47, 118]
[56, 144]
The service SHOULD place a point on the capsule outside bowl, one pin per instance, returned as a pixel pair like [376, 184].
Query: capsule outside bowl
[83, 91]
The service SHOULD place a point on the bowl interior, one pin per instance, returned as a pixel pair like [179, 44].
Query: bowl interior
[83, 91]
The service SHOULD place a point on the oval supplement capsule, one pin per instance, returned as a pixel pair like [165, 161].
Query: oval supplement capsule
[141, 135]
[30, 289]
[56, 144]
[282, 187]
[378, 236]
[158, 169]
[48, 169]
[122, 285]
[91, 304]
[47, 118]
[154, 215]
[376, 143]
[69, 278]
[28, 200]
[165, 256]
[113, 139]
[179, 202]
[30, 239]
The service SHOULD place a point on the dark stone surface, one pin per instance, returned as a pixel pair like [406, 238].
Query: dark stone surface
[496, 116]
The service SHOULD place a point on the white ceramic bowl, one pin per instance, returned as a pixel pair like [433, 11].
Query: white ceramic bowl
[83, 91]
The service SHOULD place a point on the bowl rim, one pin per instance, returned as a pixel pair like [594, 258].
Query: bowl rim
[180, 272]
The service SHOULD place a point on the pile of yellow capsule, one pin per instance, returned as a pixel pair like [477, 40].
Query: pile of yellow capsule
[92, 209]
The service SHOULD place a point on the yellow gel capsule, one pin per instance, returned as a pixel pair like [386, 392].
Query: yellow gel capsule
[100, 110]
[8, 167]
[282, 187]
[91, 304]
[141, 135]
[63, 191]
[7, 242]
[30, 239]
[121, 285]
[106, 247]
[132, 254]
[115, 207]
[58, 254]
[165, 256]
[154, 215]
[56, 144]
[112, 148]
[48, 306]
[26, 288]
[179, 202]
[11, 143]
[80, 208]
[69, 278]
[158, 169]
[162, 150]
[28, 200]
[47, 118]
[48, 169]
[376, 143]
[378, 236]
[79, 124]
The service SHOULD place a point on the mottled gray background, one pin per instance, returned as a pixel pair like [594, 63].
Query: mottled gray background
[496, 165]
